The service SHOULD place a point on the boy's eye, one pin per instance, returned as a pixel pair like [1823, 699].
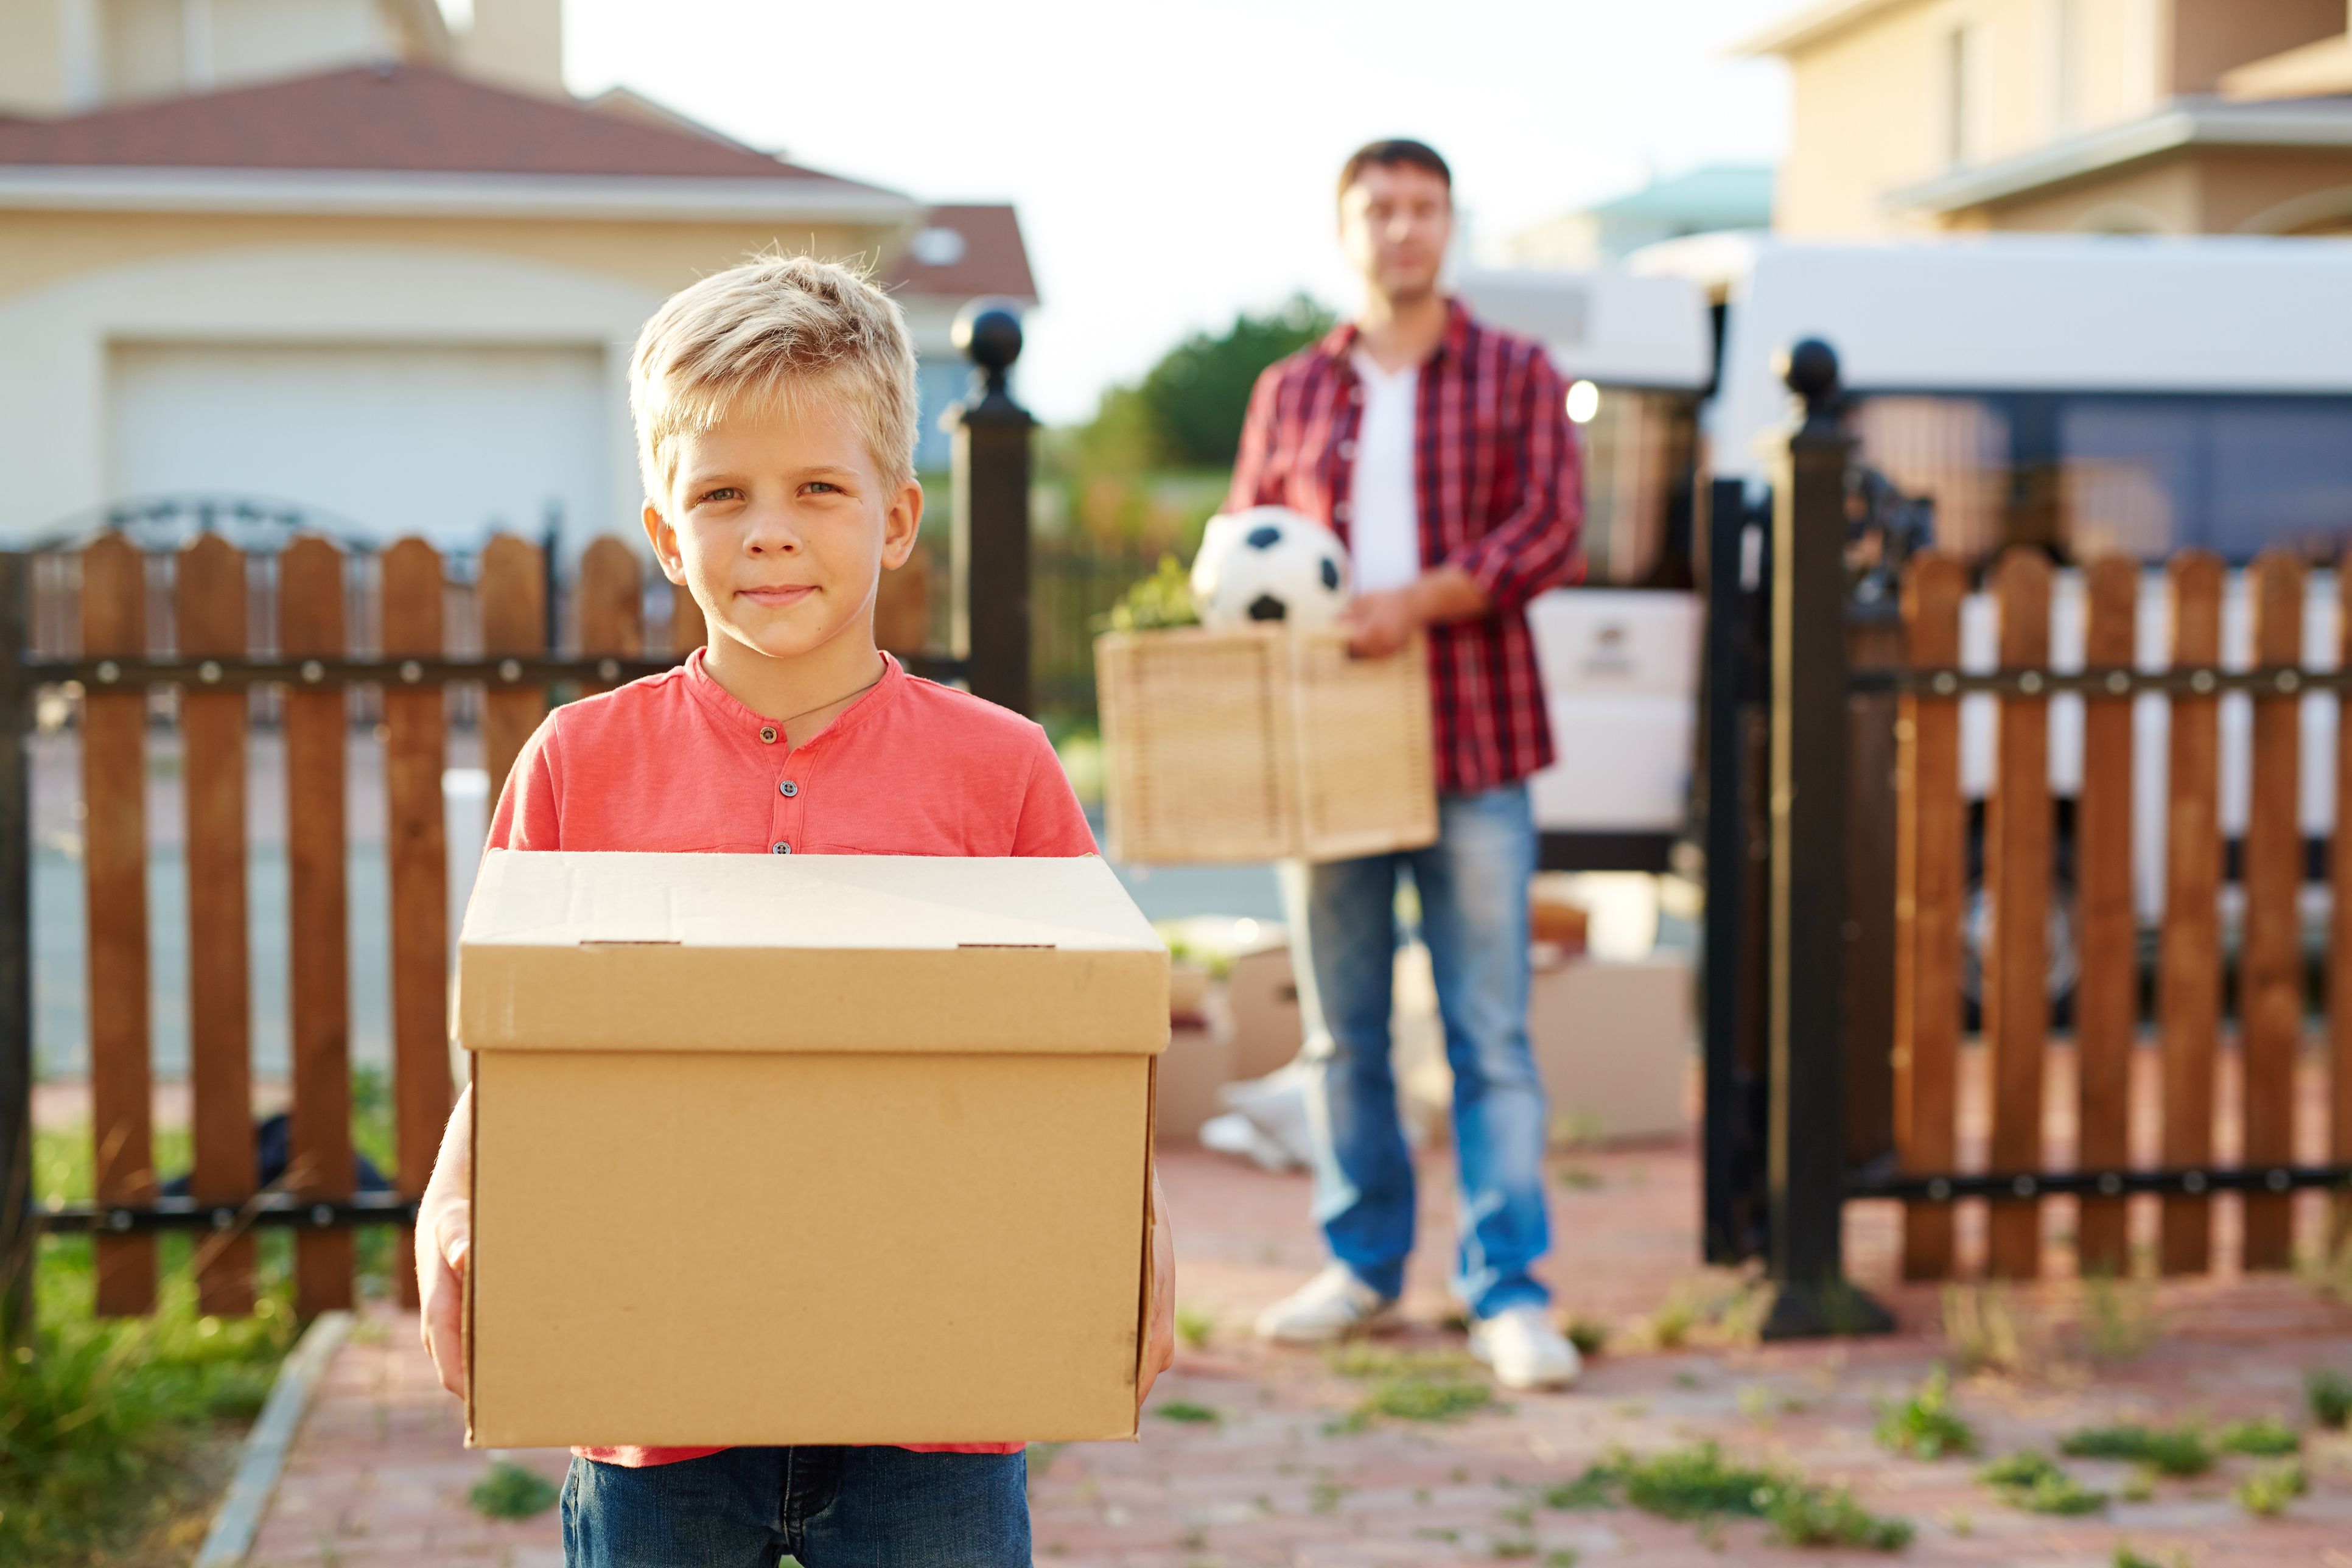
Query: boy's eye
[825, 485]
[719, 492]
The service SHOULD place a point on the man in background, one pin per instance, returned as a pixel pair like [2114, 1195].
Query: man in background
[1440, 452]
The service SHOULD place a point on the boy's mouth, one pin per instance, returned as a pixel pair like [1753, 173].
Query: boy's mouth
[778, 597]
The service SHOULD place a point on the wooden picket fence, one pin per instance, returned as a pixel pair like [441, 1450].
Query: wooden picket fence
[2018, 857]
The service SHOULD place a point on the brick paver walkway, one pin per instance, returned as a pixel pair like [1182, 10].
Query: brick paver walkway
[379, 1478]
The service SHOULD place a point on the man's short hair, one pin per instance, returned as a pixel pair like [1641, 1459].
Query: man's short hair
[1389, 155]
[777, 327]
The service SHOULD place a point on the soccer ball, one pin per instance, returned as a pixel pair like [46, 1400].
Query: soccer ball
[1269, 564]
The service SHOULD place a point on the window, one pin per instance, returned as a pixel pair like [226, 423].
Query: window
[1637, 466]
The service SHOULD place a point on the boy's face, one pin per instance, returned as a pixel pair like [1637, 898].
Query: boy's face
[780, 524]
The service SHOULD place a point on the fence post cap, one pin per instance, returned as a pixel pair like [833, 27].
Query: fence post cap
[1810, 367]
[988, 333]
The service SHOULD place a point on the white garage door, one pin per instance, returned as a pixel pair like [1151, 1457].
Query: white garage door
[445, 442]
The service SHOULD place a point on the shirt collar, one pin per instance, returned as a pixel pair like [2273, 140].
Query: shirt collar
[1339, 342]
[739, 719]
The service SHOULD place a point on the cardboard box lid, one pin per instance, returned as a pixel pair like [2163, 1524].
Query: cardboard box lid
[568, 950]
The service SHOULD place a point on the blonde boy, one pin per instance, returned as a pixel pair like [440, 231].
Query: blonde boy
[775, 411]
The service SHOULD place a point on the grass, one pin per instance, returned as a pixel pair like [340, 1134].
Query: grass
[2119, 1318]
[1185, 1411]
[1589, 1335]
[2030, 1479]
[2266, 1493]
[1698, 1485]
[508, 1491]
[2267, 1438]
[1196, 1326]
[1410, 1385]
[114, 1433]
[1926, 1425]
[2328, 1394]
[1982, 1328]
[2170, 1451]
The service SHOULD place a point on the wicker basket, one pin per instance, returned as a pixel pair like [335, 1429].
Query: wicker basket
[1261, 744]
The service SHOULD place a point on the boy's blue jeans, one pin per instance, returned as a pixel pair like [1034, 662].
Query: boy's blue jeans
[830, 1508]
[1473, 884]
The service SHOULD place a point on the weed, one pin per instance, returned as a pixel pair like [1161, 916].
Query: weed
[1523, 1515]
[1982, 1328]
[2268, 1491]
[1675, 1316]
[2119, 1318]
[1587, 1335]
[1823, 1516]
[1323, 1497]
[1431, 1532]
[1420, 1399]
[2174, 1450]
[1961, 1522]
[1581, 1178]
[1196, 1326]
[2268, 1439]
[1515, 1546]
[2030, 1479]
[1685, 1483]
[1924, 1426]
[1697, 1484]
[2329, 1271]
[1594, 1488]
[2328, 1393]
[1184, 1410]
[508, 1491]
[1562, 1557]
[2127, 1558]
[1688, 1380]
[2140, 1487]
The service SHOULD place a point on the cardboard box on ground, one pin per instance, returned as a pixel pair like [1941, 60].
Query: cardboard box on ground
[1611, 1039]
[817, 1149]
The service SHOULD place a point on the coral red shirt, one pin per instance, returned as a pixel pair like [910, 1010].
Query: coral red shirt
[672, 763]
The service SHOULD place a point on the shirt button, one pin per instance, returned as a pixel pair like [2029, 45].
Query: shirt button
[780, 847]
[768, 733]
[788, 789]
[1347, 449]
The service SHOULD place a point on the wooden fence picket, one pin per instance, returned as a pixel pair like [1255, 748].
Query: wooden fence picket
[311, 594]
[2270, 964]
[1930, 894]
[687, 630]
[115, 858]
[611, 601]
[416, 850]
[2188, 967]
[2017, 882]
[513, 597]
[210, 594]
[2107, 994]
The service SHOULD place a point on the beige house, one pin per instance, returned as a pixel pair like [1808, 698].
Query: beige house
[335, 258]
[2107, 116]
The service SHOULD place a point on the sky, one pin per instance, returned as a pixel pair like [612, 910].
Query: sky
[1173, 164]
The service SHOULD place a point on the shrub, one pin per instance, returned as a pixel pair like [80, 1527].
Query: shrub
[2329, 1395]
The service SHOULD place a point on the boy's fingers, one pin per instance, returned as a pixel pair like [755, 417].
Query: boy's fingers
[453, 1234]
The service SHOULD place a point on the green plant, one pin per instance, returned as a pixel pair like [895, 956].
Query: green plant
[2268, 1491]
[1699, 1484]
[1924, 1426]
[1514, 1546]
[1162, 599]
[1184, 1410]
[2174, 1450]
[2030, 1479]
[2127, 1558]
[2119, 1318]
[1562, 1557]
[2328, 1393]
[2268, 1439]
[1589, 1335]
[1420, 1399]
[1196, 1326]
[1580, 1179]
[1594, 1489]
[1982, 1328]
[509, 1492]
[2140, 1487]
[1824, 1516]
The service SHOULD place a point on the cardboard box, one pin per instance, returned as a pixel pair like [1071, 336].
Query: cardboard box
[1262, 993]
[1261, 743]
[1613, 1043]
[1198, 1063]
[818, 1149]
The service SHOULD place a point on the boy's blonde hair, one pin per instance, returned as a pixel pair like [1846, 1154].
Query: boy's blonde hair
[775, 327]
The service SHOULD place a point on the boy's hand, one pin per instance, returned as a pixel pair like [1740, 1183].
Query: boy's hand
[444, 1239]
[1161, 1349]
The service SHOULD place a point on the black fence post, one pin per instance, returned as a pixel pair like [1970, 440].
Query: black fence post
[17, 1246]
[1806, 963]
[991, 538]
[1733, 1224]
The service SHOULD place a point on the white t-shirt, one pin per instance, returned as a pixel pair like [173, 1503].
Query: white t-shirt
[1383, 516]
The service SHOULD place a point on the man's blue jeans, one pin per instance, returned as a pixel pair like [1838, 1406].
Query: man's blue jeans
[1473, 884]
[830, 1508]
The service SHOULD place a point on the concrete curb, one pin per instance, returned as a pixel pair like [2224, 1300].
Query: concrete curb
[231, 1537]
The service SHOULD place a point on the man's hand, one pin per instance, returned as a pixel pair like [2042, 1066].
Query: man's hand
[1160, 1351]
[1379, 624]
[445, 1240]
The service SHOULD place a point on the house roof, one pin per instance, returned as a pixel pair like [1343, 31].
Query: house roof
[1725, 195]
[404, 119]
[966, 253]
[1810, 25]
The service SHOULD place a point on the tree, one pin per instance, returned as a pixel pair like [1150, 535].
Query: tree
[1188, 411]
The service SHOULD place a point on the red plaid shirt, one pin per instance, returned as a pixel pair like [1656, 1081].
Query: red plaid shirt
[1499, 491]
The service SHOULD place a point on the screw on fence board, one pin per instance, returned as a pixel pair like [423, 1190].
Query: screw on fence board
[990, 548]
[17, 1225]
[1805, 966]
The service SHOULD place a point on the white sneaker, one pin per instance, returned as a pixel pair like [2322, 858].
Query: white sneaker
[1525, 1350]
[1331, 1306]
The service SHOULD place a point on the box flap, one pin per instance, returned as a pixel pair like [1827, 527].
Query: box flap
[583, 951]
